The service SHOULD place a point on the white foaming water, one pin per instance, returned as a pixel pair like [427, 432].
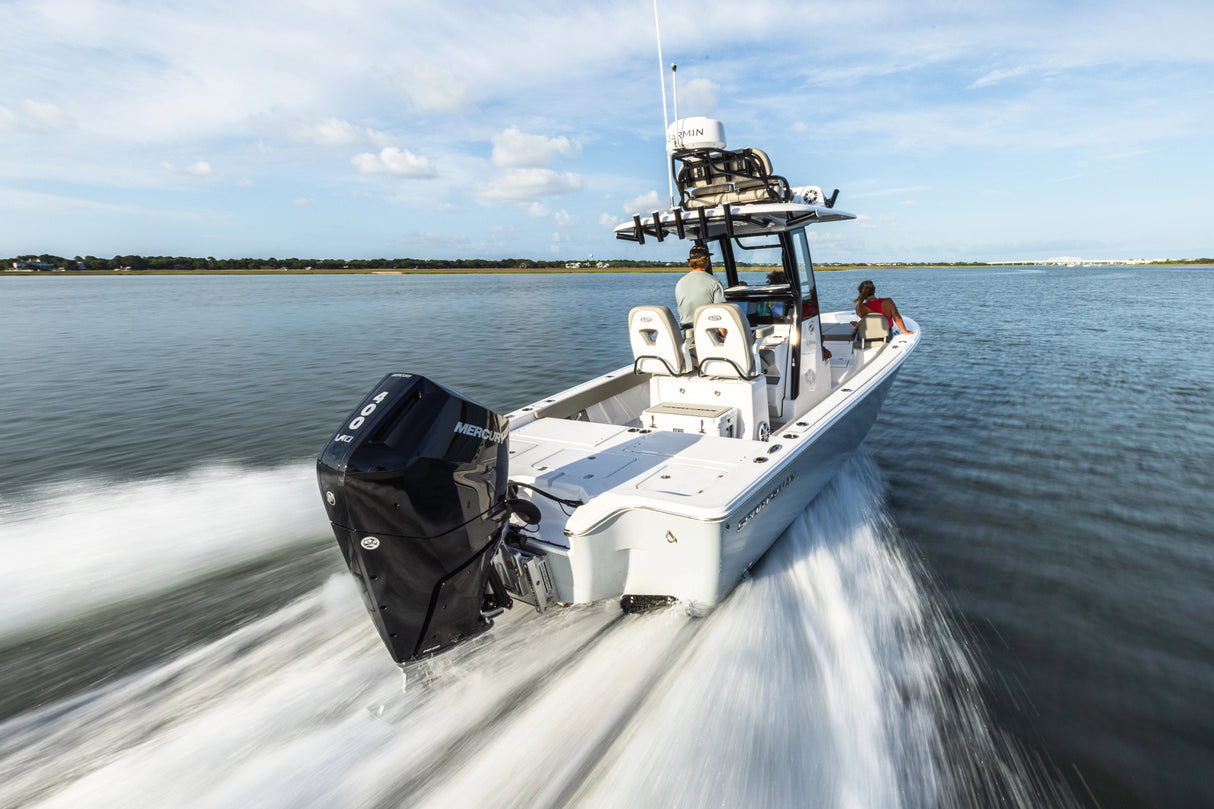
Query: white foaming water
[825, 680]
[75, 547]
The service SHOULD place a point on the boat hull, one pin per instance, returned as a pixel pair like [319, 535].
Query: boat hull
[646, 551]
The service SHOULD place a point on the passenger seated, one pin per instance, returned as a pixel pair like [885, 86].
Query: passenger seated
[871, 329]
[698, 287]
[867, 301]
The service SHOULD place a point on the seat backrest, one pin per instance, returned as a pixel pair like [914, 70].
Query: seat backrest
[874, 328]
[657, 342]
[724, 344]
[710, 177]
[763, 159]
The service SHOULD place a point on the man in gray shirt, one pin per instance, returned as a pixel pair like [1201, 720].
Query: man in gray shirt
[698, 287]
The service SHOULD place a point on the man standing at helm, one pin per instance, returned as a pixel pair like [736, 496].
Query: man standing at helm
[698, 287]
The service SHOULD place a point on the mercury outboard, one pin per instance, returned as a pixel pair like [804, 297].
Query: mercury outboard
[415, 484]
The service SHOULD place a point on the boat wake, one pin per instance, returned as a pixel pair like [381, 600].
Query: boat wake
[71, 548]
[828, 678]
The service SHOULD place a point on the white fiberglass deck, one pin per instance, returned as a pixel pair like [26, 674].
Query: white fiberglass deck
[589, 444]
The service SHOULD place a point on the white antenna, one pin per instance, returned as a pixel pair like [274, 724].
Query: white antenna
[674, 86]
[665, 119]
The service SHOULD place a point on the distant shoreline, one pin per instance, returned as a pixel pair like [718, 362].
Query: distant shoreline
[7, 272]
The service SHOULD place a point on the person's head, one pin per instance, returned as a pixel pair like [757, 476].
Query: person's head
[698, 258]
[867, 290]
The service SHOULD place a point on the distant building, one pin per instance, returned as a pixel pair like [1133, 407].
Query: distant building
[34, 266]
[1075, 261]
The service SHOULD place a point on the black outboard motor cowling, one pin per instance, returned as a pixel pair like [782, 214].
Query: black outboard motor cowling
[415, 486]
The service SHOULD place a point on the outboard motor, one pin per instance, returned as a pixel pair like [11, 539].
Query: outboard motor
[415, 486]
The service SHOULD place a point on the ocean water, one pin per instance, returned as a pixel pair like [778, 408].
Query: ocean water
[1004, 599]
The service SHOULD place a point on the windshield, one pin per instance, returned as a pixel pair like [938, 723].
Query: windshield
[805, 274]
[760, 255]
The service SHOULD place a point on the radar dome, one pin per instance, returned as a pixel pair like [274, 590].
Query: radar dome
[695, 133]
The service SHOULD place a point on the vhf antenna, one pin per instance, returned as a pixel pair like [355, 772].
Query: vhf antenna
[674, 85]
[665, 119]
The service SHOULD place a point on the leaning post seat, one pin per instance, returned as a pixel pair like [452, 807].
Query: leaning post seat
[712, 177]
[873, 328]
[724, 343]
[657, 342]
[728, 397]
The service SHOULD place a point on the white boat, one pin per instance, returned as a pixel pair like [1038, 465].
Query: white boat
[662, 481]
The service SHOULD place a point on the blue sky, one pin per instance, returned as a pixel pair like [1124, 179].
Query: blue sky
[360, 129]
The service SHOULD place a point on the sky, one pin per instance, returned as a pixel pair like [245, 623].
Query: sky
[955, 131]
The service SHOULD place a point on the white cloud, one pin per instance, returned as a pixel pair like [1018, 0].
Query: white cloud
[564, 219]
[34, 116]
[436, 89]
[303, 201]
[27, 202]
[609, 220]
[518, 149]
[46, 116]
[996, 76]
[199, 168]
[1126, 155]
[336, 132]
[527, 185]
[698, 97]
[887, 191]
[537, 210]
[394, 161]
[644, 203]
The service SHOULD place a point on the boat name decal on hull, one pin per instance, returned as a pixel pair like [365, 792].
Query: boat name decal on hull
[763, 503]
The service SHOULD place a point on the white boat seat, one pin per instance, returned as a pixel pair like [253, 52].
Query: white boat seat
[725, 345]
[657, 342]
[873, 328]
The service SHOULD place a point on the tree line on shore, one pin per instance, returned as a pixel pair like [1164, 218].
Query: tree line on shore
[135, 263]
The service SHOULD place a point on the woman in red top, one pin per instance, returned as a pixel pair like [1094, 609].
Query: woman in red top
[868, 302]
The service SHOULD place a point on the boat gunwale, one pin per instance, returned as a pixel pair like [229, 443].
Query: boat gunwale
[838, 403]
